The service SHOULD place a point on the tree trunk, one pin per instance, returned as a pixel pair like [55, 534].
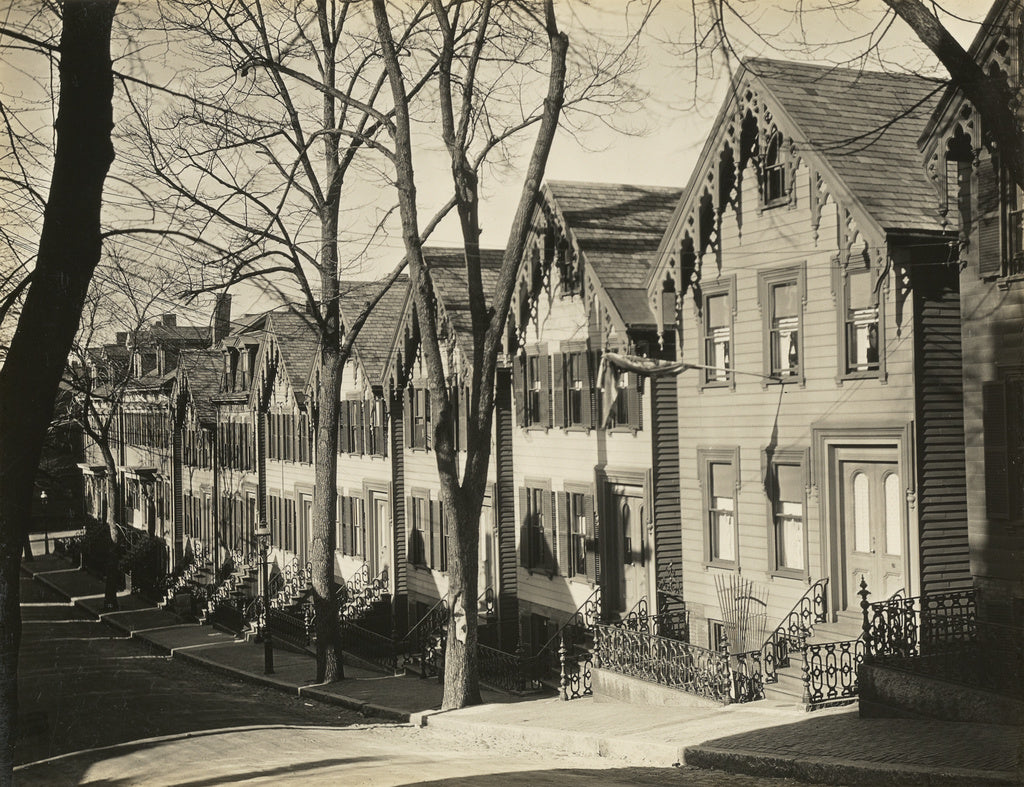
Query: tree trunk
[329, 664]
[991, 96]
[462, 675]
[69, 250]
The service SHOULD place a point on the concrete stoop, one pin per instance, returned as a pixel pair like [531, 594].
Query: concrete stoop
[611, 686]
[828, 770]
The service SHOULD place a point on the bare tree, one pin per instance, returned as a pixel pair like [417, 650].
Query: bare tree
[255, 153]
[486, 52]
[69, 250]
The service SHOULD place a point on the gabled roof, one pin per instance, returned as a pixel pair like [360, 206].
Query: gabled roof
[202, 369]
[375, 338]
[448, 271]
[176, 335]
[865, 125]
[618, 228]
[296, 334]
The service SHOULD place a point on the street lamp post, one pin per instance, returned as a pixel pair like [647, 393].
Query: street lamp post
[263, 539]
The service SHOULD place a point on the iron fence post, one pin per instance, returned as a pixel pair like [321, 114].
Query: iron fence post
[263, 536]
[562, 682]
[864, 606]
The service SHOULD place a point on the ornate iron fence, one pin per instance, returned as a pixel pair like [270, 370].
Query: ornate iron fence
[919, 625]
[505, 671]
[830, 671]
[792, 633]
[293, 627]
[716, 676]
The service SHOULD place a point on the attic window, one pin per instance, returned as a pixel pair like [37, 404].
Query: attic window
[568, 278]
[773, 182]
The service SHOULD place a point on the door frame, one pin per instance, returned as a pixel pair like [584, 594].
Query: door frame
[896, 435]
[606, 480]
[372, 489]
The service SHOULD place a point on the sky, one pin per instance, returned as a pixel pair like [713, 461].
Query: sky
[664, 137]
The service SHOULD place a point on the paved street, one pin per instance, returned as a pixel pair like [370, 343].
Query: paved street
[99, 708]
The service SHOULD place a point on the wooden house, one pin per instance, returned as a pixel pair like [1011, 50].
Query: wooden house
[977, 197]
[585, 509]
[419, 522]
[809, 282]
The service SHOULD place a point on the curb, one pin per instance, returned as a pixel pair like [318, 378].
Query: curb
[831, 770]
[635, 751]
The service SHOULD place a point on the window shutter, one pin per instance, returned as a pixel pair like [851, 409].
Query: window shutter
[997, 481]
[524, 530]
[963, 172]
[633, 400]
[558, 392]
[360, 426]
[563, 533]
[435, 533]
[339, 531]
[519, 392]
[428, 426]
[550, 536]
[990, 261]
[588, 389]
[410, 518]
[545, 396]
[343, 521]
[343, 431]
[384, 422]
[407, 417]
[648, 496]
[593, 547]
[362, 527]
[462, 403]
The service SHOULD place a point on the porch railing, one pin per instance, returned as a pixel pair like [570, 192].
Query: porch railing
[706, 673]
[795, 628]
[370, 646]
[548, 661]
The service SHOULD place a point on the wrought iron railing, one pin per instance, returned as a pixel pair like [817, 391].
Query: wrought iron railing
[370, 646]
[706, 673]
[360, 594]
[423, 642]
[505, 671]
[830, 671]
[673, 625]
[919, 625]
[792, 633]
[292, 626]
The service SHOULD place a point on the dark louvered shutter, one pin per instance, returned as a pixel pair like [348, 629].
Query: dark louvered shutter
[997, 482]
[435, 533]
[358, 423]
[558, 389]
[593, 545]
[544, 364]
[343, 519]
[343, 430]
[524, 529]
[362, 527]
[407, 417]
[366, 409]
[563, 533]
[633, 400]
[428, 424]
[519, 392]
[990, 262]
[410, 518]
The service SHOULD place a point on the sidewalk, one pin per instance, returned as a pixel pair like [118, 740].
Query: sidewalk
[834, 746]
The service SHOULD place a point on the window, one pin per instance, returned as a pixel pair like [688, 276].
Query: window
[1003, 427]
[781, 295]
[532, 384]
[862, 340]
[773, 184]
[577, 535]
[718, 639]
[577, 389]
[1013, 225]
[535, 542]
[626, 410]
[719, 484]
[786, 501]
[718, 308]
[419, 520]
[375, 432]
[421, 418]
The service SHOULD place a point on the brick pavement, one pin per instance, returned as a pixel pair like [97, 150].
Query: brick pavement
[829, 747]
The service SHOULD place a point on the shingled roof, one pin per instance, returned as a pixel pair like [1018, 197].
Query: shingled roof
[202, 369]
[297, 336]
[378, 332]
[618, 228]
[448, 270]
[865, 124]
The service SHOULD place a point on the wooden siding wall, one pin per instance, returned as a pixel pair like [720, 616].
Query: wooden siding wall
[992, 313]
[505, 506]
[397, 493]
[941, 491]
[568, 456]
[753, 415]
[668, 549]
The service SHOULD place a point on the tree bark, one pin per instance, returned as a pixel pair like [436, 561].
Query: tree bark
[990, 95]
[69, 250]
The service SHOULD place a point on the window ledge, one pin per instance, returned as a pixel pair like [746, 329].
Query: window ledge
[536, 428]
[578, 428]
[722, 564]
[852, 376]
[794, 574]
[726, 384]
[623, 430]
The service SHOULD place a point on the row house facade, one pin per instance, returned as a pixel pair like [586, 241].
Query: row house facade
[808, 281]
[980, 201]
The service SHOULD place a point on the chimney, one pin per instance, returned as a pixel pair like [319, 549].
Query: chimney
[121, 338]
[222, 318]
[170, 320]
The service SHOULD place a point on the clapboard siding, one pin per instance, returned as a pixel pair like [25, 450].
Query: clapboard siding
[749, 416]
[942, 492]
[505, 506]
[397, 452]
[668, 550]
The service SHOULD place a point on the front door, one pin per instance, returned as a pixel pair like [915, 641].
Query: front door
[380, 553]
[627, 575]
[872, 526]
